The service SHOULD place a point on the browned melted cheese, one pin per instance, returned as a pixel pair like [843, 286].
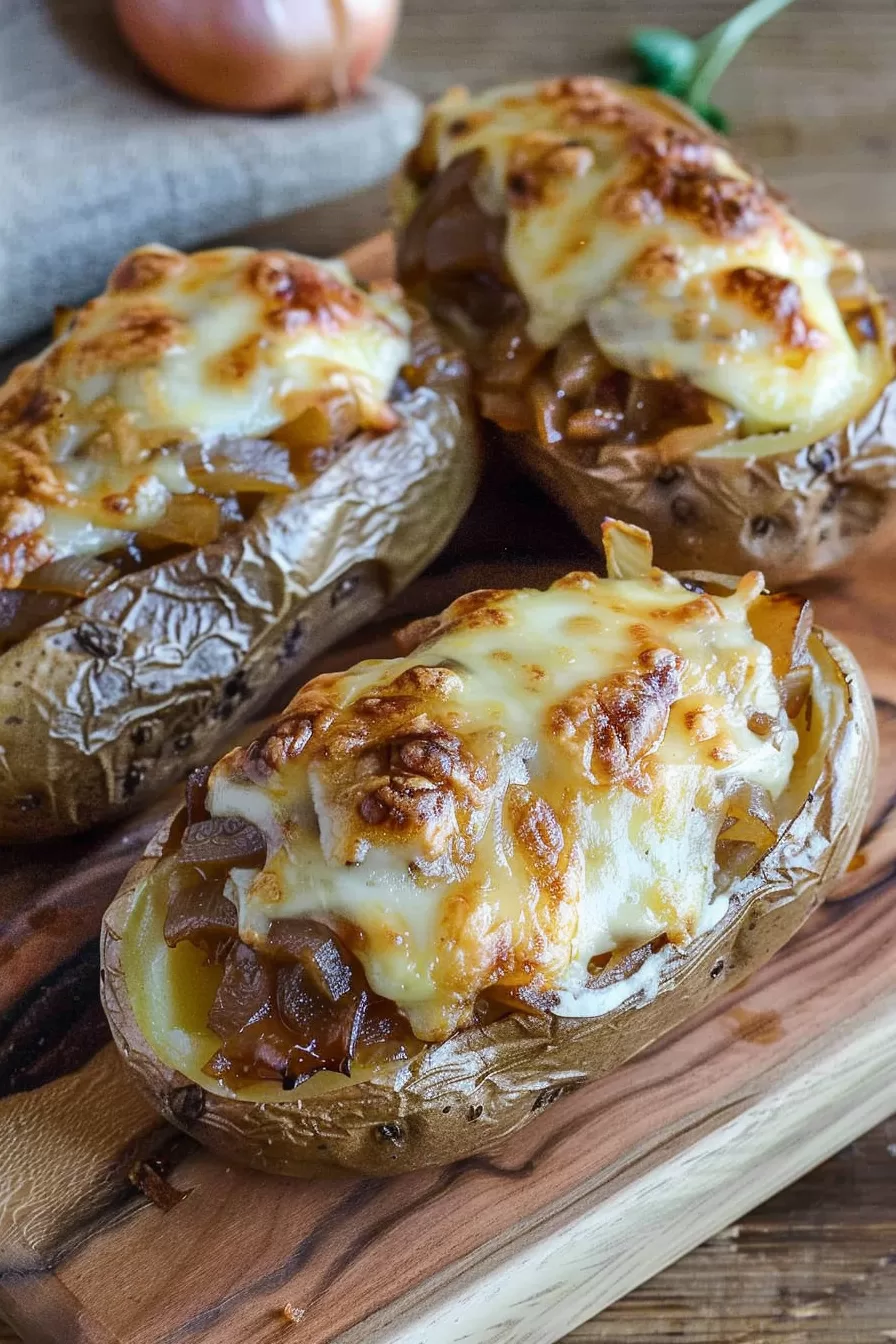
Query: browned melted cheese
[623, 212]
[539, 781]
[178, 350]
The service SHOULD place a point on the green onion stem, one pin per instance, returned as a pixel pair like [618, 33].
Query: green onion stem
[718, 48]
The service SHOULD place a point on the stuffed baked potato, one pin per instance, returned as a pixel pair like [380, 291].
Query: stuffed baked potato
[655, 334]
[221, 464]
[444, 888]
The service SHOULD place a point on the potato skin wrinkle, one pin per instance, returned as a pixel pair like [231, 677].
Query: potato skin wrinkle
[656, 336]
[107, 704]
[473, 1085]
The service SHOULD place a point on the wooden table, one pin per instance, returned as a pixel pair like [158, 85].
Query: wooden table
[813, 98]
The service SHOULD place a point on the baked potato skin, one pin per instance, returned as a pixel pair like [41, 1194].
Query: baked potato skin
[793, 515]
[482, 1084]
[150, 676]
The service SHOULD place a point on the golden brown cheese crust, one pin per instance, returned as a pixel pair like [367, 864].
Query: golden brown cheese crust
[35, 403]
[610, 727]
[398, 770]
[671, 166]
[393, 758]
[460, 815]
[777, 302]
[612, 207]
[180, 350]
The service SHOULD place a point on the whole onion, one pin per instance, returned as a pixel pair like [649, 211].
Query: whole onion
[260, 55]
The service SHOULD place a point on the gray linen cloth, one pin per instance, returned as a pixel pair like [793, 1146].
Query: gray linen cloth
[95, 158]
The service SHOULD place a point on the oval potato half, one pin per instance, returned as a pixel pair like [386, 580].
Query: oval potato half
[483, 1083]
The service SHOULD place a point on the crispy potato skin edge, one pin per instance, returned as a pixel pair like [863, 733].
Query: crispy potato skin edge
[153, 675]
[792, 515]
[483, 1084]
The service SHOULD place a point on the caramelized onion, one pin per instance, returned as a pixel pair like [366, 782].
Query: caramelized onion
[229, 466]
[550, 412]
[452, 254]
[453, 249]
[171, 843]
[506, 409]
[193, 811]
[653, 404]
[282, 1014]
[196, 794]
[449, 234]
[221, 843]
[243, 1015]
[783, 622]
[511, 358]
[324, 426]
[748, 831]
[584, 400]
[189, 520]
[578, 364]
[262, 1051]
[795, 688]
[443, 369]
[48, 592]
[750, 816]
[318, 952]
[595, 422]
[331, 1035]
[277, 1023]
[74, 575]
[199, 912]
[518, 999]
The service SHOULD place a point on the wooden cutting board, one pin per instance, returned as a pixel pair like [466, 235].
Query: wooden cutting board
[602, 1189]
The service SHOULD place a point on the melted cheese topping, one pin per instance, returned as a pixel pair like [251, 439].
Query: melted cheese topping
[540, 782]
[621, 214]
[178, 350]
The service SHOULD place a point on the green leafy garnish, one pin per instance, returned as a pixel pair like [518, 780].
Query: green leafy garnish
[688, 69]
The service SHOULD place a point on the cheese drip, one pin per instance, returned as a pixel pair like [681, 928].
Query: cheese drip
[541, 782]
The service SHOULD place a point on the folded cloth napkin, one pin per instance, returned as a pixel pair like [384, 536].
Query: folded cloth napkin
[95, 158]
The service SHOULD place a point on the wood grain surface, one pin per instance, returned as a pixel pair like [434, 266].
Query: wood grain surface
[813, 97]
[515, 1246]
[814, 1264]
